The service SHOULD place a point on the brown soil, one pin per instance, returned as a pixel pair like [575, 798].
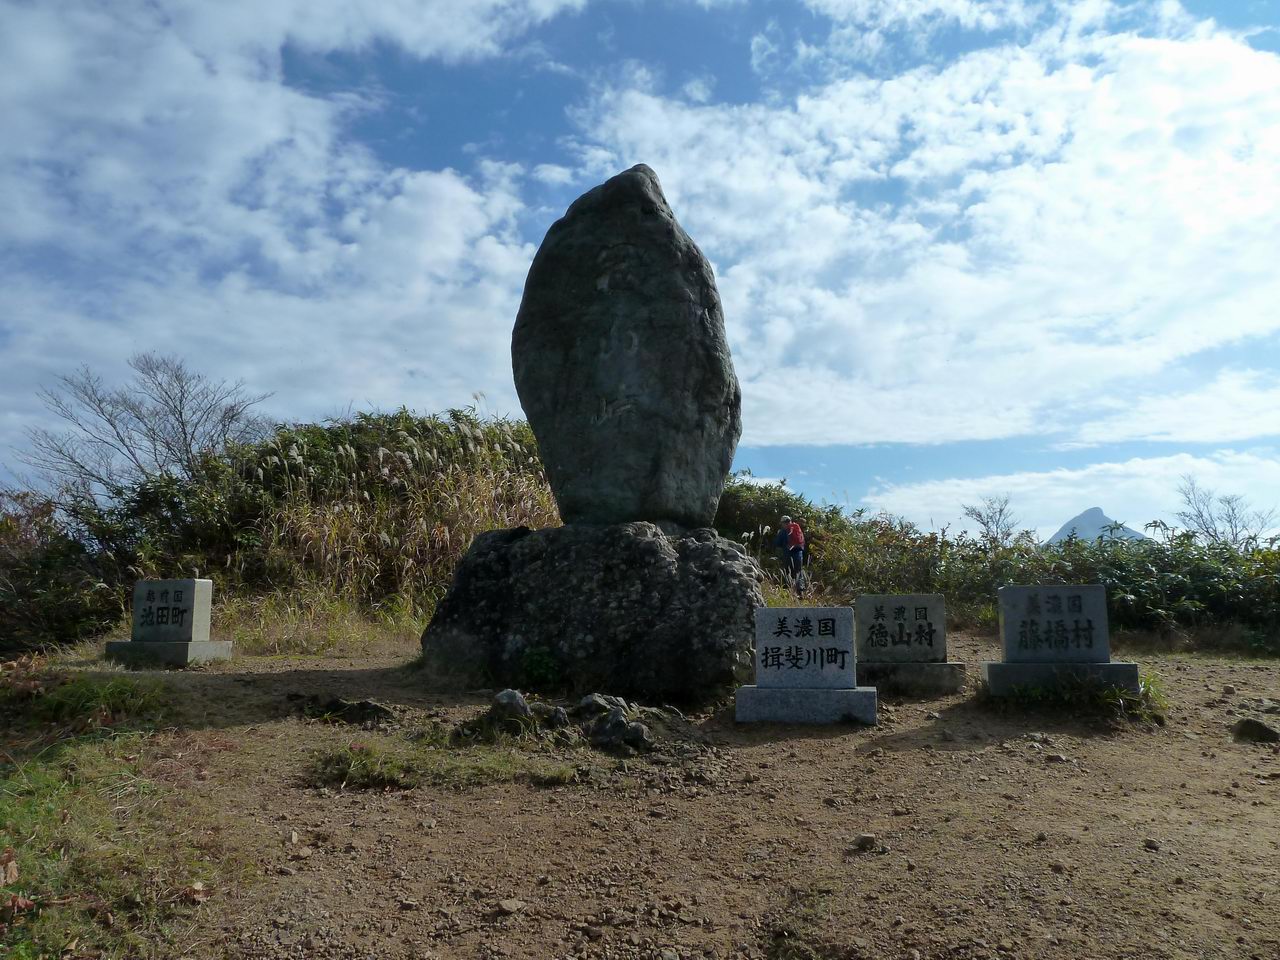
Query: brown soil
[998, 833]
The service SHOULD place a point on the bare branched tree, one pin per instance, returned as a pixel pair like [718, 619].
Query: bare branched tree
[162, 422]
[1228, 519]
[995, 519]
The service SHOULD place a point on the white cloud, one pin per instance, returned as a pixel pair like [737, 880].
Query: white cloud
[1237, 405]
[552, 173]
[195, 202]
[1020, 240]
[971, 14]
[1134, 491]
[699, 89]
[982, 249]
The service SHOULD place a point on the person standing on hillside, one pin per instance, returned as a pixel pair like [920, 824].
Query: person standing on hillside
[790, 540]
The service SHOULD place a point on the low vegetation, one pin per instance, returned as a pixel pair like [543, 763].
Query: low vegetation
[797, 932]
[1082, 700]
[95, 854]
[346, 533]
[1176, 584]
[433, 756]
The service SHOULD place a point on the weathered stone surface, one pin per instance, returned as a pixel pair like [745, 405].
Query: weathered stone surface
[1255, 730]
[907, 627]
[913, 679]
[172, 611]
[1050, 623]
[622, 365]
[804, 647]
[510, 705]
[135, 653]
[624, 608]
[809, 706]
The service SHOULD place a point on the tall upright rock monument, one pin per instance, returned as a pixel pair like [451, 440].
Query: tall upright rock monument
[622, 365]
[623, 368]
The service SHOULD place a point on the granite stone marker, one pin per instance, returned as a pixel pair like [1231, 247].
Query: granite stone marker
[806, 669]
[1054, 635]
[171, 624]
[902, 644]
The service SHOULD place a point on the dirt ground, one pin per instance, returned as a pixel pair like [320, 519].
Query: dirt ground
[999, 834]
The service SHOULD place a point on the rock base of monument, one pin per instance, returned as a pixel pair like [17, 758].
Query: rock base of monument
[913, 679]
[150, 653]
[754, 704]
[1004, 679]
[626, 608]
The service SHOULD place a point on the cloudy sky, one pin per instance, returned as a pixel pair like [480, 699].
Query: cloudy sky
[965, 247]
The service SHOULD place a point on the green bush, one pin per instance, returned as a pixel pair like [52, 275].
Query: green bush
[369, 516]
[378, 508]
[53, 587]
[1177, 581]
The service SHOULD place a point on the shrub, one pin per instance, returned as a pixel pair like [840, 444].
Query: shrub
[53, 589]
[377, 508]
[319, 529]
[1177, 581]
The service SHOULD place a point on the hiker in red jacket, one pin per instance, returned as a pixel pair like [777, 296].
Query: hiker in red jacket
[790, 540]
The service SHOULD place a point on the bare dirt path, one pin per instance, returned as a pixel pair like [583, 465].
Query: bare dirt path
[998, 834]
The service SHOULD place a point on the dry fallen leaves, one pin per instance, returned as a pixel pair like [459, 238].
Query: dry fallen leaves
[8, 867]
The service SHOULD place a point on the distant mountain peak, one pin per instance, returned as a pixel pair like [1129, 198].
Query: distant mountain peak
[1091, 524]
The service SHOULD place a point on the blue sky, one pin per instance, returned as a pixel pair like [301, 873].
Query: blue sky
[965, 248]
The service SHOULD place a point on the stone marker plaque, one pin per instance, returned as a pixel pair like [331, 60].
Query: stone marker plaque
[902, 644]
[172, 611]
[901, 628]
[805, 669]
[170, 625]
[809, 647]
[1054, 624]
[1055, 636]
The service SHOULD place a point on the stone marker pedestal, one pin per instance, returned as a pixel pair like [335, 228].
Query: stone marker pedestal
[805, 669]
[1055, 636]
[902, 645]
[170, 626]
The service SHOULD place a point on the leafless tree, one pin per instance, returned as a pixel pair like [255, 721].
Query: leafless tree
[994, 518]
[1228, 519]
[164, 421]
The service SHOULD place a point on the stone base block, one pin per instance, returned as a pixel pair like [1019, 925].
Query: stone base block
[805, 705]
[625, 609]
[1005, 678]
[139, 653]
[913, 679]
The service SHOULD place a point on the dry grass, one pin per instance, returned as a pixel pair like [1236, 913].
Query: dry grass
[310, 622]
[388, 528]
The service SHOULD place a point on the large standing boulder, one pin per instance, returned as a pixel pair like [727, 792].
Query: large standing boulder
[623, 608]
[622, 365]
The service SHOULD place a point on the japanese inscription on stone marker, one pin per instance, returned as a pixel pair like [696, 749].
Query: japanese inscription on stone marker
[804, 647]
[1054, 624]
[171, 611]
[907, 628]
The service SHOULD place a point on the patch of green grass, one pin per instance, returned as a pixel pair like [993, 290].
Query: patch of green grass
[434, 758]
[540, 669]
[1080, 698]
[105, 699]
[364, 765]
[1148, 705]
[80, 701]
[794, 933]
[101, 866]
